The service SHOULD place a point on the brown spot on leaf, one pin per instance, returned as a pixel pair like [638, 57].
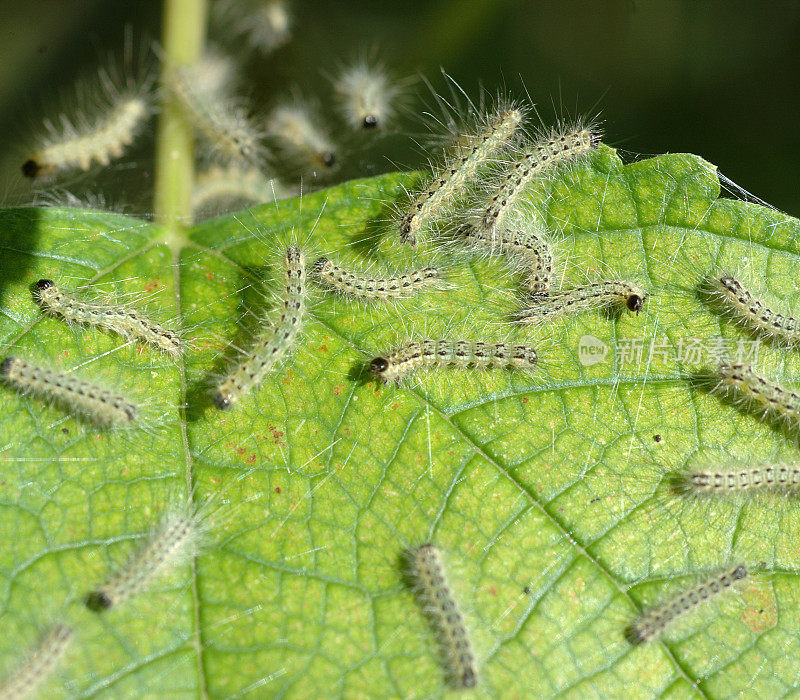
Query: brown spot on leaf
[276, 434]
[761, 612]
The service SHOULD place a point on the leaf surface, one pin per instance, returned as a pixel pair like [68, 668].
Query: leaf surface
[548, 493]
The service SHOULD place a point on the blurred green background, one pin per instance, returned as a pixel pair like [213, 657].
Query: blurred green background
[719, 79]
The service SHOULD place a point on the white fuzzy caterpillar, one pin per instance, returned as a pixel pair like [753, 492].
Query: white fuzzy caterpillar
[175, 541]
[523, 246]
[558, 146]
[744, 308]
[213, 75]
[272, 345]
[470, 153]
[297, 132]
[265, 26]
[386, 287]
[722, 481]
[223, 122]
[98, 405]
[246, 185]
[366, 95]
[415, 354]
[654, 622]
[59, 197]
[436, 597]
[83, 141]
[28, 678]
[126, 322]
[598, 295]
[775, 399]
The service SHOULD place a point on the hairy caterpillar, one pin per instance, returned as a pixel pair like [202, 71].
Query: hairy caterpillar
[363, 287]
[59, 197]
[273, 345]
[556, 147]
[366, 95]
[436, 597]
[125, 322]
[213, 75]
[298, 134]
[773, 398]
[598, 295]
[724, 481]
[265, 26]
[654, 622]
[98, 405]
[415, 354]
[26, 680]
[78, 143]
[470, 152]
[747, 310]
[175, 541]
[235, 184]
[221, 120]
[524, 246]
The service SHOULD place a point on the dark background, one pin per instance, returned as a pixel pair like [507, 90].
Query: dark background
[719, 79]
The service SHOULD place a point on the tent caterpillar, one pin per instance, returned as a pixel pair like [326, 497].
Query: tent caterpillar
[224, 186]
[175, 541]
[297, 132]
[653, 623]
[598, 295]
[386, 287]
[78, 143]
[271, 346]
[221, 120]
[724, 481]
[26, 679]
[442, 353]
[748, 310]
[265, 26]
[98, 405]
[125, 322]
[436, 597]
[470, 153]
[524, 246]
[366, 95]
[775, 399]
[556, 147]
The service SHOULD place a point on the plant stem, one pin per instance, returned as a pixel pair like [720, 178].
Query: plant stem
[183, 37]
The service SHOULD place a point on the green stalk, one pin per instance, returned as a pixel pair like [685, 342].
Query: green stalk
[183, 37]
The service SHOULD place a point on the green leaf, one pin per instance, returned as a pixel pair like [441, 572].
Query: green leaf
[548, 494]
